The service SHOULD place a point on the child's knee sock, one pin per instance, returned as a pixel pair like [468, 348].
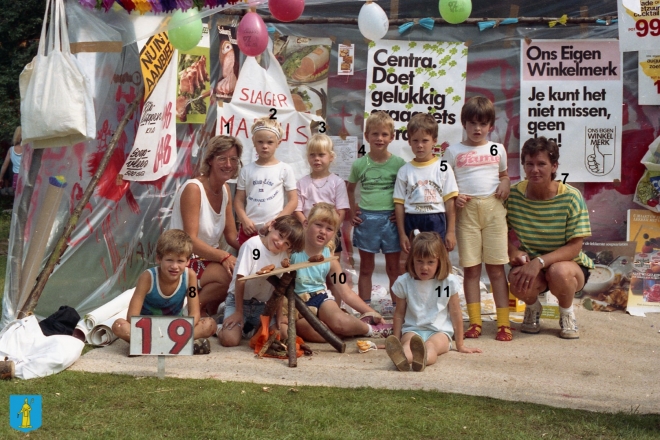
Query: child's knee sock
[503, 317]
[474, 312]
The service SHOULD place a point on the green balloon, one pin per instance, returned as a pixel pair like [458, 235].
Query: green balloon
[455, 11]
[186, 36]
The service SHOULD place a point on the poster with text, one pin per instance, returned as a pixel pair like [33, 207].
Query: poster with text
[639, 31]
[571, 91]
[346, 152]
[607, 287]
[154, 150]
[648, 78]
[408, 77]
[193, 87]
[644, 293]
[265, 93]
[305, 62]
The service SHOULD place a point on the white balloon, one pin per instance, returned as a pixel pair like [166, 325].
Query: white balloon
[373, 21]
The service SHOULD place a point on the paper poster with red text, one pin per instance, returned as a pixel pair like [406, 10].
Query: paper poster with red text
[571, 91]
[639, 30]
[648, 77]
[264, 92]
[154, 151]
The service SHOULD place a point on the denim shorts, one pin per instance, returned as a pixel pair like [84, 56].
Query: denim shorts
[376, 233]
[435, 222]
[426, 334]
[252, 310]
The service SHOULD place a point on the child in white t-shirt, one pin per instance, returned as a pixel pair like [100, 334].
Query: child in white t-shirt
[262, 184]
[483, 185]
[246, 300]
[428, 311]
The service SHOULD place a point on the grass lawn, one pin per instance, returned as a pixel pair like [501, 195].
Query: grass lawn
[84, 405]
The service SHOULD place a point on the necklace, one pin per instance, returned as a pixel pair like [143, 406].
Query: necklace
[211, 187]
[319, 187]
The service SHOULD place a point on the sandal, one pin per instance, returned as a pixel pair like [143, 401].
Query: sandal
[473, 332]
[504, 333]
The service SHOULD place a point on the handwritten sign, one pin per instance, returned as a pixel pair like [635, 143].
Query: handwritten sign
[161, 335]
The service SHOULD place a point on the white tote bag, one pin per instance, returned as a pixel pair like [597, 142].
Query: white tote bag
[57, 106]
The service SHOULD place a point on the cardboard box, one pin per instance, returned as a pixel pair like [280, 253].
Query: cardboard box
[550, 305]
[515, 304]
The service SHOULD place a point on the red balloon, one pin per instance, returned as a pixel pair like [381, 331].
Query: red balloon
[252, 35]
[286, 10]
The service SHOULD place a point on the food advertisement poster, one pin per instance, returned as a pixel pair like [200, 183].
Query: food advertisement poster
[644, 293]
[648, 77]
[346, 151]
[227, 58]
[193, 88]
[264, 92]
[306, 63]
[345, 59]
[154, 149]
[571, 92]
[639, 30]
[607, 287]
[408, 77]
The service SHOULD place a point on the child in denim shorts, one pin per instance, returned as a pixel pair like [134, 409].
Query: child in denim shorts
[375, 229]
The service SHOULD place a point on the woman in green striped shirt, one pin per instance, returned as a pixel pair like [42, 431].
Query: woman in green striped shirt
[550, 220]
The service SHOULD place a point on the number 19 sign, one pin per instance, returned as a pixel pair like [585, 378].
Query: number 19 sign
[161, 335]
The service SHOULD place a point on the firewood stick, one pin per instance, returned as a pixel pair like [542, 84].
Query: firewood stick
[291, 339]
[319, 326]
[269, 342]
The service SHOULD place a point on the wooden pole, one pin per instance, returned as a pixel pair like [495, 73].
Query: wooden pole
[291, 338]
[319, 326]
[60, 247]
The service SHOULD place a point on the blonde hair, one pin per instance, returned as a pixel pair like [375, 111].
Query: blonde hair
[325, 212]
[429, 245]
[266, 123]
[379, 118]
[174, 241]
[424, 122]
[18, 136]
[320, 143]
[218, 145]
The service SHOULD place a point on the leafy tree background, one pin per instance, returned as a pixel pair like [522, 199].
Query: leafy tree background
[20, 29]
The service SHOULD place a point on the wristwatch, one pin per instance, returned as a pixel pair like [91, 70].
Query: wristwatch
[542, 262]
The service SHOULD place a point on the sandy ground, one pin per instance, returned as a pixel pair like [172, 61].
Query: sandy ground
[614, 366]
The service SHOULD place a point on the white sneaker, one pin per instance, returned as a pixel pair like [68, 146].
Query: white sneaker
[532, 320]
[569, 328]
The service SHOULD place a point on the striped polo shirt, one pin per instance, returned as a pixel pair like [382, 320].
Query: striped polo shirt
[542, 226]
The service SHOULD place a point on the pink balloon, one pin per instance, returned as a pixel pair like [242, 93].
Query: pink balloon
[286, 10]
[252, 35]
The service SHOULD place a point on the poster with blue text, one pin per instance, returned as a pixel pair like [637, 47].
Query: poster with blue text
[408, 77]
[571, 91]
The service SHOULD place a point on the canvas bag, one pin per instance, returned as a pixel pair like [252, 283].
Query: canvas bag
[57, 106]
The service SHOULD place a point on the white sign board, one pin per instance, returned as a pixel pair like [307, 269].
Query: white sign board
[408, 77]
[571, 91]
[161, 335]
[648, 76]
[639, 30]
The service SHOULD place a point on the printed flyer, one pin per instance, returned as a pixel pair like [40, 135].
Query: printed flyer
[409, 77]
[644, 293]
[227, 58]
[607, 287]
[193, 87]
[571, 91]
[154, 149]
[648, 77]
[305, 63]
[639, 31]
[346, 151]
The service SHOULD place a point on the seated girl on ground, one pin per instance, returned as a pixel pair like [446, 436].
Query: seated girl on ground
[428, 311]
[320, 229]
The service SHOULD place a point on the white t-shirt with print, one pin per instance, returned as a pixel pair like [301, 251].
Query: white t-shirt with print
[423, 187]
[477, 170]
[265, 188]
[252, 257]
